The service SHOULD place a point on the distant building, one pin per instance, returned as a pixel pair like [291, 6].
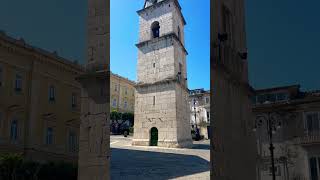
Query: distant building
[297, 142]
[40, 101]
[199, 101]
[122, 93]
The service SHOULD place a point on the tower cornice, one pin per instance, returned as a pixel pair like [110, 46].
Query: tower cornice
[176, 2]
[165, 36]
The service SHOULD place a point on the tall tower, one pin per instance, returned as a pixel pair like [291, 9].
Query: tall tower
[161, 107]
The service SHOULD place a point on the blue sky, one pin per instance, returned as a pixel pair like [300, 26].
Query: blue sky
[124, 36]
[283, 42]
[282, 36]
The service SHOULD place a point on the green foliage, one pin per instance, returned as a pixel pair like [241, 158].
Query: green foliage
[14, 167]
[128, 117]
[115, 115]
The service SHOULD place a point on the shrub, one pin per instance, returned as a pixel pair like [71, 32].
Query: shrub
[14, 167]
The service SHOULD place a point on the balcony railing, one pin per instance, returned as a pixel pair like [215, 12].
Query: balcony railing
[309, 138]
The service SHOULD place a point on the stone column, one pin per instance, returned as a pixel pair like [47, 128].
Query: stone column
[94, 141]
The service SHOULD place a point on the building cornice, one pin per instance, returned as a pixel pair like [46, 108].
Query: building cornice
[133, 83]
[22, 48]
[164, 81]
[292, 105]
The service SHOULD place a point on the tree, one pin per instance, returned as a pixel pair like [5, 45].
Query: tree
[118, 119]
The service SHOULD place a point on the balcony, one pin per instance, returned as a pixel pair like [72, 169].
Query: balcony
[310, 138]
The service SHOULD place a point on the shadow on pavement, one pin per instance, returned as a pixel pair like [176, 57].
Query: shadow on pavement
[142, 165]
[201, 146]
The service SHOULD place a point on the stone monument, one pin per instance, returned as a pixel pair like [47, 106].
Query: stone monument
[94, 141]
[161, 109]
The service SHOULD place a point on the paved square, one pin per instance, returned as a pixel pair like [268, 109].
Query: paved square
[156, 163]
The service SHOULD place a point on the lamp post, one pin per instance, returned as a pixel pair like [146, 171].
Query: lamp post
[273, 123]
[195, 119]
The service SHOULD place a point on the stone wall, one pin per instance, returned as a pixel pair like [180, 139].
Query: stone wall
[169, 115]
[156, 61]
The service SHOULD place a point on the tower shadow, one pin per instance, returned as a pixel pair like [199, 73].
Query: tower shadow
[143, 165]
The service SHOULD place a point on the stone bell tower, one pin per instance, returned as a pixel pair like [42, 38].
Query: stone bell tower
[94, 141]
[161, 107]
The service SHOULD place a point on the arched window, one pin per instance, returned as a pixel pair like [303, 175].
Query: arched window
[114, 103]
[155, 27]
[14, 130]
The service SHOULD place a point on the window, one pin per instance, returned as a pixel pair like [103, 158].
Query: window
[18, 83]
[49, 136]
[262, 98]
[74, 100]
[180, 72]
[208, 116]
[154, 65]
[312, 123]
[72, 142]
[271, 97]
[115, 87]
[154, 100]
[1, 76]
[207, 100]
[227, 22]
[314, 168]
[14, 130]
[282, 96]
[114, 103]
[126, 91]
[51, 93]
[179, 35]
[125, 104]
[155, 27]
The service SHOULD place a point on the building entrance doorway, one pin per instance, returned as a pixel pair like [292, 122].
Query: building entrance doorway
[154, 136]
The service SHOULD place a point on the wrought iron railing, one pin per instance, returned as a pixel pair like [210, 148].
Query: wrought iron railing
[309, 138]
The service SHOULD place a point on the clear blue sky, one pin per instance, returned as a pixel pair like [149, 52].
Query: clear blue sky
[124, 36]
[284, 42]
[283, 36]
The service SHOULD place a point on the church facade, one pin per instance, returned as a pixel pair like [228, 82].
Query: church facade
[161, 106]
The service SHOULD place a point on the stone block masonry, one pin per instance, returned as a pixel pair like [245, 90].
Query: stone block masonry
[161, 92]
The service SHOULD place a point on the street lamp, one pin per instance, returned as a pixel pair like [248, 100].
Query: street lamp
[273, 124]
[195, 119]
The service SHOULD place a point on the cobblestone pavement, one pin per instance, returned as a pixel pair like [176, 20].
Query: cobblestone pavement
[156, 163]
